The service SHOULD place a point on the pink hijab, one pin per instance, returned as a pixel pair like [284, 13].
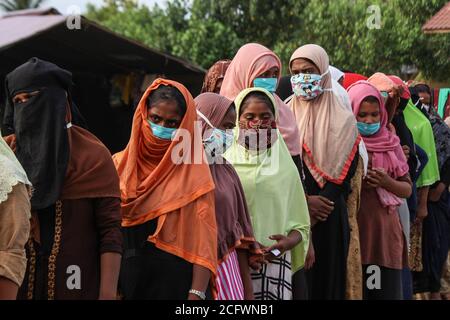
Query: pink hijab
[249, 62]
[384, 145]
[406, 94]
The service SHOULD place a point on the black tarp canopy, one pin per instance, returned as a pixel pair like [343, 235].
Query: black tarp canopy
[93, 54]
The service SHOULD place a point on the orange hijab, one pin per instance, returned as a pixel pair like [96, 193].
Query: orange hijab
[181, 195]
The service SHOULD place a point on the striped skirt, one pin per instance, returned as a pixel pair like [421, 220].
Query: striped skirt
[229, 281]
[274, 281]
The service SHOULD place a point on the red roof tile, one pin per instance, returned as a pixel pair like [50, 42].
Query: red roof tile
[440, 22]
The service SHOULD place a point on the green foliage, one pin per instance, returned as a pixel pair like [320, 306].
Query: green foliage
[205, 31]
[12, 5]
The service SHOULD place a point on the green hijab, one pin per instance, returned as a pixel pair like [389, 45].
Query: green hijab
[422, 133]
[272, 187]
[443, 95]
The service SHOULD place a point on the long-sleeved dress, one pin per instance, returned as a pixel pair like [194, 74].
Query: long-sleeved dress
[65, 246]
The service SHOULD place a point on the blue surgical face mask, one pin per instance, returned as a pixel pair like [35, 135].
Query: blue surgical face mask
[218, 142]
[384, 95]
[368, 129]
[270, 84]
[162, 132]
[307, 86]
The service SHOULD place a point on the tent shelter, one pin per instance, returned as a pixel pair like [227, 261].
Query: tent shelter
[110, 71]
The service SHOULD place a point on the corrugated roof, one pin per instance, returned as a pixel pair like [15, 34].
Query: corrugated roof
[440, 22]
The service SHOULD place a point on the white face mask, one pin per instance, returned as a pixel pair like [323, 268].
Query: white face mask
[218, 142]
[307, 86]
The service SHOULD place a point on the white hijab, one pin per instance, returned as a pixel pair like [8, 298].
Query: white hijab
[11, 171]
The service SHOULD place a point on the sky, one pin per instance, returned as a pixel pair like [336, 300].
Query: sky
[63, 5]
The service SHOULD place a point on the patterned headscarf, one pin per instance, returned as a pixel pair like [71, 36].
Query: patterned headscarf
[214, 74]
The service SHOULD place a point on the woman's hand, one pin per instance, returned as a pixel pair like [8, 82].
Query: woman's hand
[319, 207]
[422, 212]
[434, 195]
[194, 297]
[256, 261]
[11, 141]
[284, 243]
[378, 178]
[310, 256]
[108, 296]
[406, 151]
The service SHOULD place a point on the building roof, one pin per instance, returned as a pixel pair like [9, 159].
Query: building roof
[440, 22]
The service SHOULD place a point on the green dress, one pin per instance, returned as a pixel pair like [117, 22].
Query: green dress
[422, 133]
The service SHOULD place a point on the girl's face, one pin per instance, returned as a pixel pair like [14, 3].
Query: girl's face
[165, 113]
[256, 124]
[255, 109]
[369, 112]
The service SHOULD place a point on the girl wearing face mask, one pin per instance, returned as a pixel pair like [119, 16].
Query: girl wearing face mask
[329, 139]
[273, 191]
[396, 96]
[255, 66]
[236, 242]
[384, 188]
[168, 216]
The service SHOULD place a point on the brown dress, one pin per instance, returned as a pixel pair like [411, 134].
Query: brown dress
[67, 239]
[354, 287]
[381, 234]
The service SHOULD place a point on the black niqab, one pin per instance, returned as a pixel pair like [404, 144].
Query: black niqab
[40, 126]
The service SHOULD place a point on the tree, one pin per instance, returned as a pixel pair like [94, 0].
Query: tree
[205, 31]
[13, 5]
[205, 38]
[344, 28]
[261, 21]
[156, 27]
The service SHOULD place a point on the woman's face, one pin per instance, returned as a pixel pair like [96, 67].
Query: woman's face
[369, 113]
[304, 66]
[24, 97]
[273, 72]
[165, 113]
[229, 120]
[425, 97]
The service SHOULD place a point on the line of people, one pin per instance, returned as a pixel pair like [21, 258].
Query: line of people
[261, 187]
